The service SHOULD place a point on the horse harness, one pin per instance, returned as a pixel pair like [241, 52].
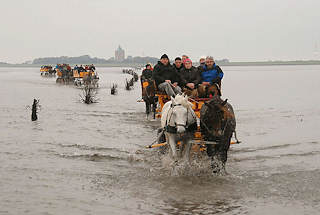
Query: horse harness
[224, 124]
[173, 129]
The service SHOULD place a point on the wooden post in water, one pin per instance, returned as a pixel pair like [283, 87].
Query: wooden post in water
[34, 116]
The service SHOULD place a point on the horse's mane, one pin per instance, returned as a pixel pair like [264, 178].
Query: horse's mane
[183, 100]
[218, 88]
[217, 101]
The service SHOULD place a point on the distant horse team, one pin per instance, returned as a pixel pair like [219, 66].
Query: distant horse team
[129, 84]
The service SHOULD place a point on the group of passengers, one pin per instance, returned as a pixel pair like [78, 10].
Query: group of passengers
[182, 76]
[63, 67]
[86, 67]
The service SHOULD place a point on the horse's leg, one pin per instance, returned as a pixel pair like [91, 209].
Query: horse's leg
[213, 151]
[224, 149]
[154, 111]
[171, 141]
[181, 149]
[186, 152]
[154, 108]
[210, 150]
[154, 102]
[146, 101]
[220, 154]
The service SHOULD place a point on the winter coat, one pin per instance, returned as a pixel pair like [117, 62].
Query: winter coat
[163, 72]
[191, 75]
[213, 75]
[178, 69]
[146, 74]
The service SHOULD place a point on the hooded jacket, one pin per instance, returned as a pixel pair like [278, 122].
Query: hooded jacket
[163, 72]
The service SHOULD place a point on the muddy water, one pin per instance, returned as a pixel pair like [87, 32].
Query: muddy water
[90, 159]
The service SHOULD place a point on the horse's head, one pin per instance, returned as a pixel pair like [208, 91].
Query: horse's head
[151, 88]
[216, 103]
[209, 91]
[214, 90]
[181, 109]
[148, 89]
[218, 114]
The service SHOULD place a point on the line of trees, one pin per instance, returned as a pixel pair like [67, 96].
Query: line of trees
[86, 59]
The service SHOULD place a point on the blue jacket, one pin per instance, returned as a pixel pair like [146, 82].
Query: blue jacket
[211, 75]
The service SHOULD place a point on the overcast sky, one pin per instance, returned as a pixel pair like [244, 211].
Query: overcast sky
[240, 30]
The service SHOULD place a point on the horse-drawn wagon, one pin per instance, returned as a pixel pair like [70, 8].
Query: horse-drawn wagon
[47, 71]
[79, 76]
[64, 73]
[208, 122]
[85, 76]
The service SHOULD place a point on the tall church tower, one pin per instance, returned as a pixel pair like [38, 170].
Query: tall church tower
[316, 52]
[119, 54]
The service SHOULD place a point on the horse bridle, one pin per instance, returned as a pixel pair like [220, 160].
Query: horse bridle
[173, 129]
[147, 93]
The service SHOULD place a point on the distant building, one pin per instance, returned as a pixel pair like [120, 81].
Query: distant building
[316, 52]
[119, 54]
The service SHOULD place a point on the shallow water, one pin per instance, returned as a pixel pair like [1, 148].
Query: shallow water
[90, 159]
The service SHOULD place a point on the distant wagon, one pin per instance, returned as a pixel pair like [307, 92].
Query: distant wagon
[47, 71]
[64, 73]
[85, 76]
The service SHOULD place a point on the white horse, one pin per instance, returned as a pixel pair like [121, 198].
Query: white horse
[179, 122]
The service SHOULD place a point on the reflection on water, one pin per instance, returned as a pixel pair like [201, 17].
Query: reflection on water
[90, 159]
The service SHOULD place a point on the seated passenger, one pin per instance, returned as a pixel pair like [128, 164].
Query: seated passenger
[202, 61]
[178, 64]
[92, 67]
[189, 79]
[81, 69]
[210, 74]
[184, 57]
[146, 73]
[166, 77]
[68, 67]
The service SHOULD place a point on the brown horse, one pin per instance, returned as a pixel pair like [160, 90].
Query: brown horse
[191, 93]
[148, 95]
[209, 91]
[217, 123]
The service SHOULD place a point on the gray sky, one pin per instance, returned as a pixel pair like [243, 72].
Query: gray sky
[240, 30]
